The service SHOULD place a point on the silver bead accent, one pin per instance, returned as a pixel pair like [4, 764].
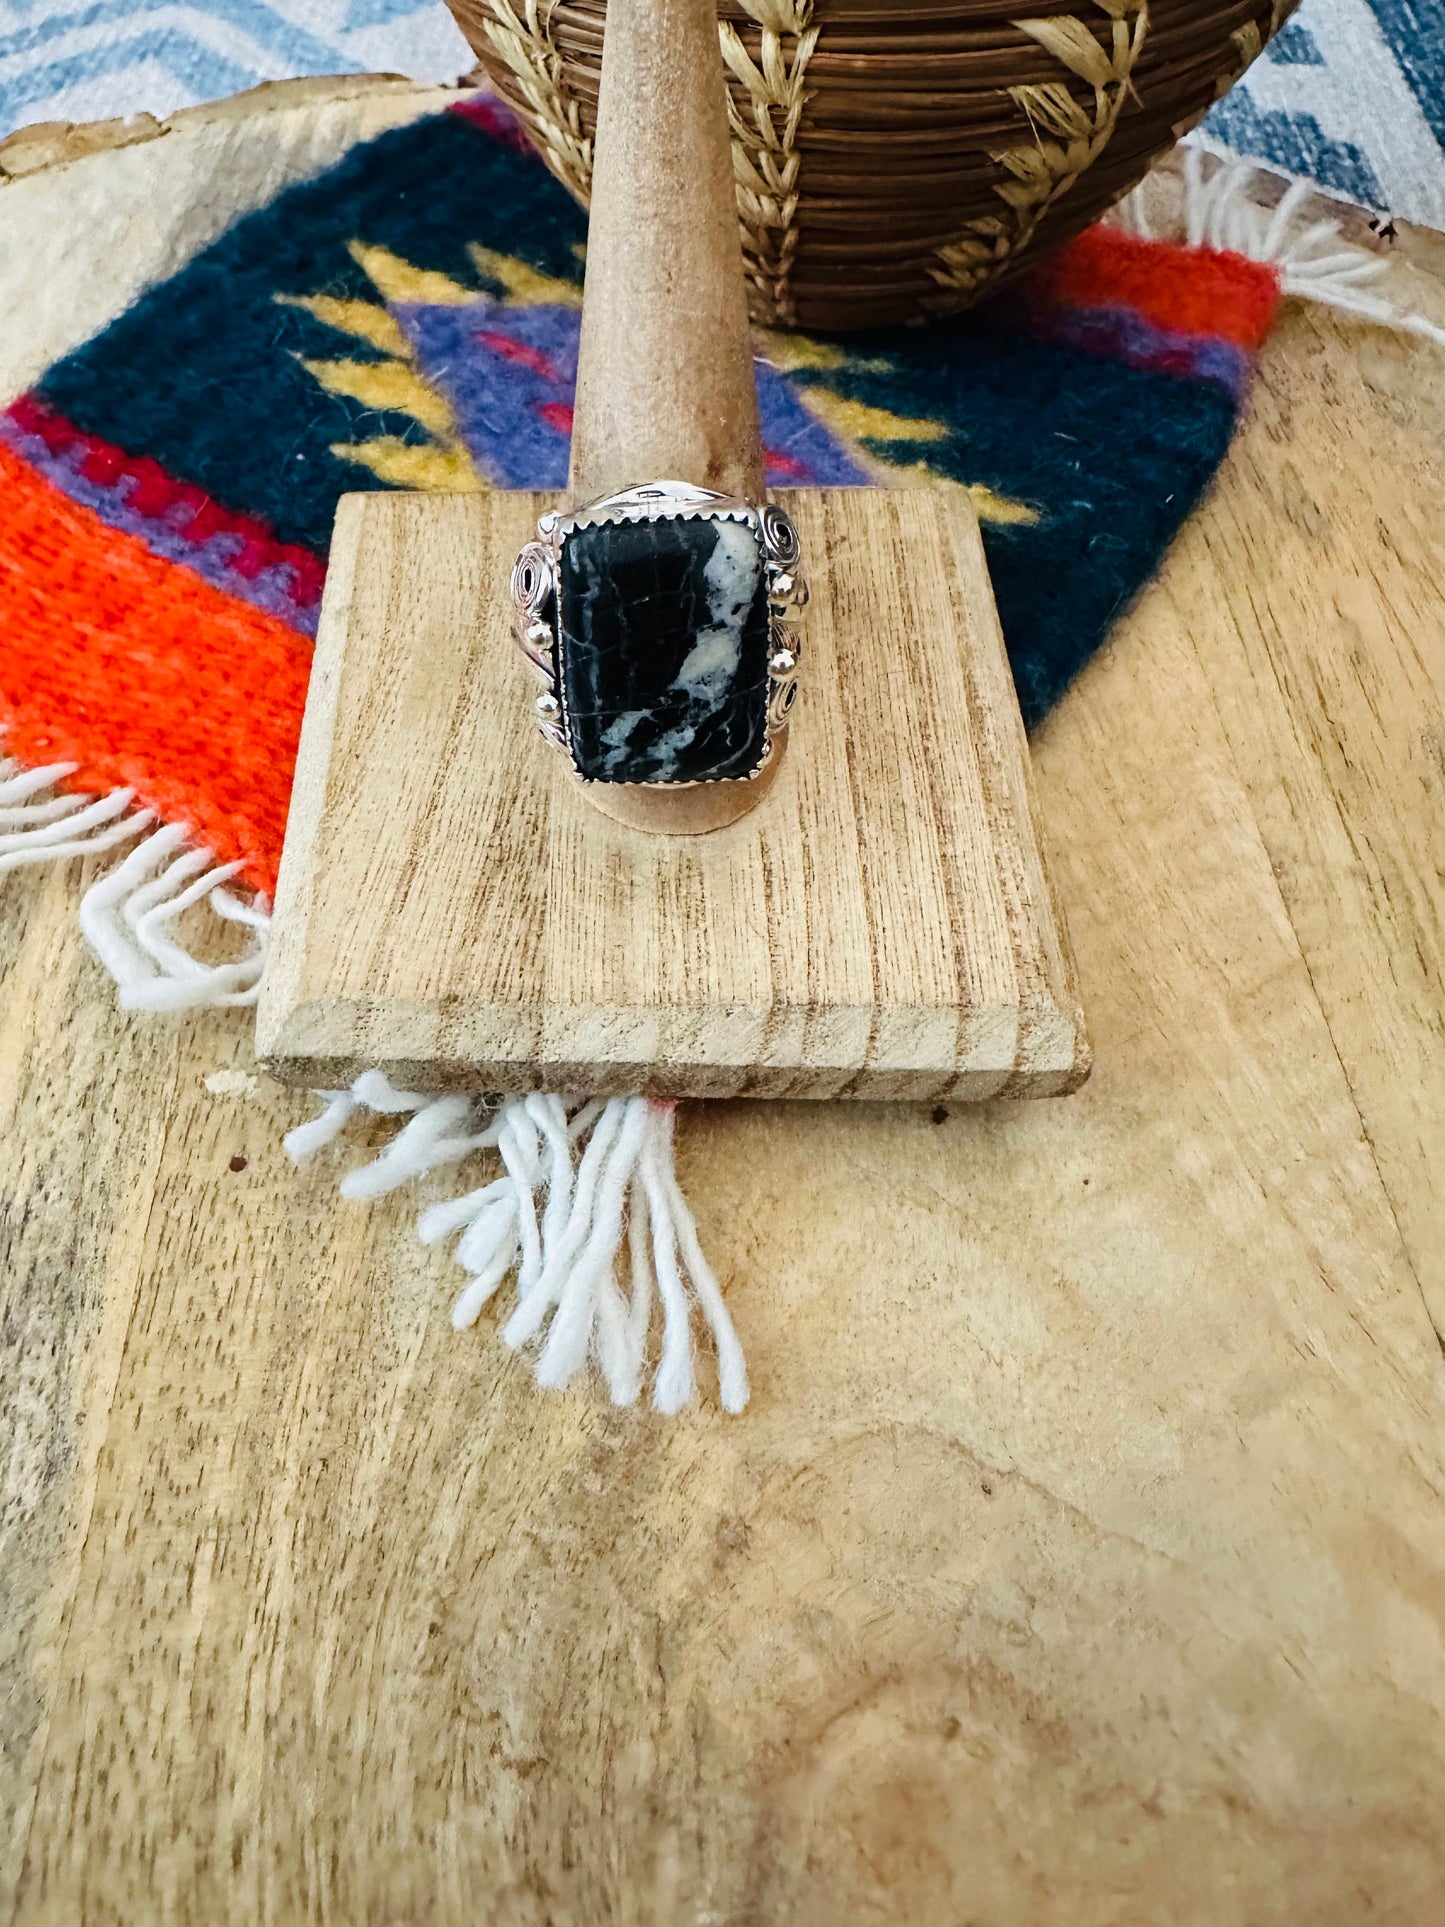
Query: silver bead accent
[533, 600]
[538, 654]
[787, 594]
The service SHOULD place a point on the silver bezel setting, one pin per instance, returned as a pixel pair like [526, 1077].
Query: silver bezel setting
[536, 615]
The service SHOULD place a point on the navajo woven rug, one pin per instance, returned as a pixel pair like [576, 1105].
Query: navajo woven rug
[410, 320]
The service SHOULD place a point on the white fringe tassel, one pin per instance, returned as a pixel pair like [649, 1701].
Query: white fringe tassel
[623, 1190]
[60, 825]
[127, 916]
[1315, 262]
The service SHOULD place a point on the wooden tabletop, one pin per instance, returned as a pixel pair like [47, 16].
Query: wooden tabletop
[1081, 1557]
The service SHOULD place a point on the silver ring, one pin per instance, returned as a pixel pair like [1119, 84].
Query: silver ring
[661, 624]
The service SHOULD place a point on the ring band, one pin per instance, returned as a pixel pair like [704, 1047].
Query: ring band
[660, 622]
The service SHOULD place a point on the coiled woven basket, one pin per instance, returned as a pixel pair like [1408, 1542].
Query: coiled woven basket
[898, 158]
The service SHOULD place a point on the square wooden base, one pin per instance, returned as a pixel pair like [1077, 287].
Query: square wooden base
[453, 911]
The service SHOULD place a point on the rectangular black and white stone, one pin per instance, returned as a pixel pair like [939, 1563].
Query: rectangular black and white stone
[663, 628]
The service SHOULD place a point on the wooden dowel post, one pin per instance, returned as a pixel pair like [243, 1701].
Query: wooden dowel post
[665, 387]
[665, 368]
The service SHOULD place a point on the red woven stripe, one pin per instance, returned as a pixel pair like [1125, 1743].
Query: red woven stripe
[144, 675]
[1189, 291]
[192, 513]
[484, 110]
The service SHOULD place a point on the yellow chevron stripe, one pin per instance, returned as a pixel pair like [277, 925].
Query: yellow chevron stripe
[987, 505]
[362, 319]
[408, 465]
[386, 384]
[523, 283]
[786, 352]
[1002, 509]
[860, 422]
[397, 280]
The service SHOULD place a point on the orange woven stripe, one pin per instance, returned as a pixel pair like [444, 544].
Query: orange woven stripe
[145, 675]
[1194, 291]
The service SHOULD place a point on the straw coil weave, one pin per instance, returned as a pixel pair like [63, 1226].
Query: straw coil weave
[899, 158]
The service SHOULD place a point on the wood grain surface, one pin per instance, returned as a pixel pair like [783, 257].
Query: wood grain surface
[451, 910]
[1081, 1557]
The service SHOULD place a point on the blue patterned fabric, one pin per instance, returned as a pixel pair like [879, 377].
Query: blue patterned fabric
[66, 60]
[1351, 94]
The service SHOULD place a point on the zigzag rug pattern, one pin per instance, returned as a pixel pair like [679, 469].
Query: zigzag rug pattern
[62, 61]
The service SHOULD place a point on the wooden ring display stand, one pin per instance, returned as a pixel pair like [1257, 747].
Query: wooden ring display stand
[453, 910]
[665, 387]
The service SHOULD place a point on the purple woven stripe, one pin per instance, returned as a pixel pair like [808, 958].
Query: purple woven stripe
[271, 589]
[1124, 335]
[509, 375]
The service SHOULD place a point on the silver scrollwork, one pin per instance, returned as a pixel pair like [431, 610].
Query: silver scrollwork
[787, 598]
